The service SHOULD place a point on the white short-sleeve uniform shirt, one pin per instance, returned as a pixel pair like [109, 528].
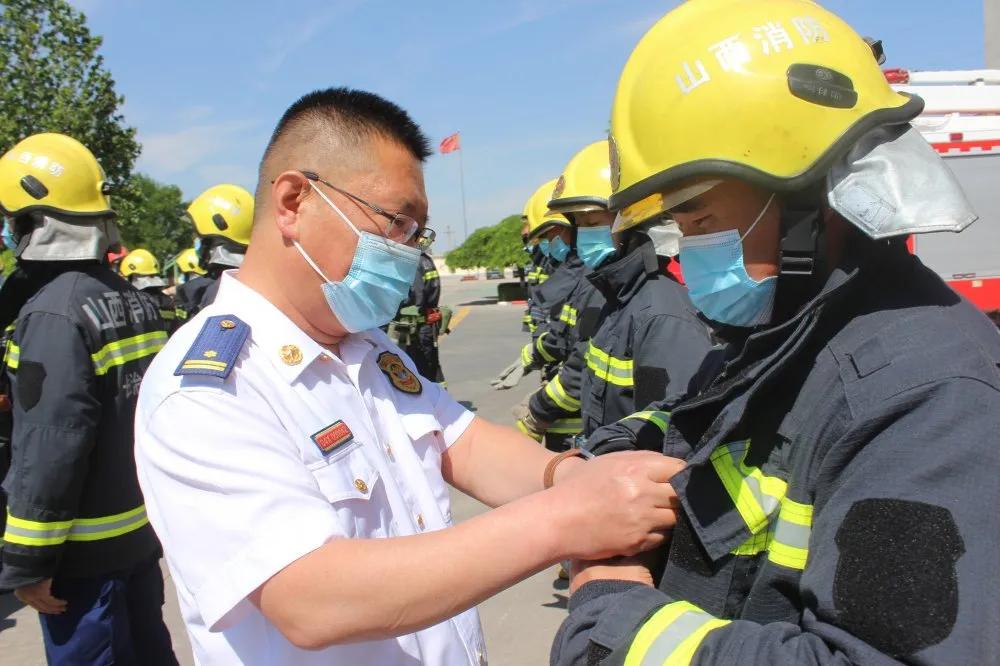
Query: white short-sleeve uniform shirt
[238, 486]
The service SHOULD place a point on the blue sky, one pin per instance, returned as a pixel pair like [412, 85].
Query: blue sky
[527, 82]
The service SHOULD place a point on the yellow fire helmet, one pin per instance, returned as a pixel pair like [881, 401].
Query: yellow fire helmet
[224, 211]
[537, 212]
[55, 173]
[585, 184]
[187, 262]
[771, 92]
[140, 262]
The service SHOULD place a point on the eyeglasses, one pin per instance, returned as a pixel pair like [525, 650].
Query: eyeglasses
[399, 228]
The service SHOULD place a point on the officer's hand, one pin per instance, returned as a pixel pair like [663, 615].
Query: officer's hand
[39, 596]
[632, 569]
[618, 504]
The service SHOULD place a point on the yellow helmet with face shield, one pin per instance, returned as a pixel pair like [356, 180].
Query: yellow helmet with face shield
[585, 184]
[55, 173]
[536, 211]
[224, 211]
[770, 92]
[139, 262]
[187, 262]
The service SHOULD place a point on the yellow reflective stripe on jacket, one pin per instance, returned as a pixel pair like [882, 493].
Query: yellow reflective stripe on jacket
[530, 433]
[526, 355]
[557, 393]
[34, 533]
[430, 275]
[168, 315]
[13, 356]
[541, 348]
[756, 495]
[671, 636]
[568, 314]
[542, 277]
[571, 426]
[122, 351]
[790, 546]
[660, 419]
[613, 370]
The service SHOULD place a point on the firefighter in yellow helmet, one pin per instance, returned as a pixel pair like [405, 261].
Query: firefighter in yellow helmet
[76, 341]
[553, 233]
[222, 217]
[841, 456]
[142, 270]
[187, 262]
[580, 195]
[190, 269]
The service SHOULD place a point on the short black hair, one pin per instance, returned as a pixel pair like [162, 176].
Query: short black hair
[357, 114]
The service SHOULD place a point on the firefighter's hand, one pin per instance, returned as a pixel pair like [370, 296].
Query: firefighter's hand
[39, 596]
[527, 423]
[509, 378]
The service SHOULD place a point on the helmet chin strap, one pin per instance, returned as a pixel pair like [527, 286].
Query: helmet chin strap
[803, 254]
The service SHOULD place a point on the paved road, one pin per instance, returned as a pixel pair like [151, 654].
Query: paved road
[519, 622]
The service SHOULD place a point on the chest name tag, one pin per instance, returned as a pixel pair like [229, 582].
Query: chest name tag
[334, 435]
[397, 372]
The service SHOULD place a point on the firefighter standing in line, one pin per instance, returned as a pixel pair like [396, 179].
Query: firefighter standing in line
[222, 217]
[581, 194]
[77, 546]
[554, 234]
[421, 320]
[841, 481]
[541, 267]
[187, 263]
[142, 270]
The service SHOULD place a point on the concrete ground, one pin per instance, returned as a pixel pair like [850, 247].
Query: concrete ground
[519, 622]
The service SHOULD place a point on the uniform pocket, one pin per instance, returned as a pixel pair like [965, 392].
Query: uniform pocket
[354, 488]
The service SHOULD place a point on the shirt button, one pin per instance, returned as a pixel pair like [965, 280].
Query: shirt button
[482, 658]
[388, 452]
[361, 485]
[325, 357]
[420, 521]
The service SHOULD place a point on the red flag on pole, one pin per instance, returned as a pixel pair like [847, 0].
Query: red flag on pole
[450, 144]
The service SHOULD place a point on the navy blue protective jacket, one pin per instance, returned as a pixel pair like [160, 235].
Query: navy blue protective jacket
[839, 504]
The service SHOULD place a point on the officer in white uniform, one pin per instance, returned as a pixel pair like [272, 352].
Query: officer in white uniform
[318, 446]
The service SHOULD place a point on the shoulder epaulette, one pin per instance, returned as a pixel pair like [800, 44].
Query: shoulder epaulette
[216, 348]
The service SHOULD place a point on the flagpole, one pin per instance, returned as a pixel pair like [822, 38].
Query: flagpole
[461, 181]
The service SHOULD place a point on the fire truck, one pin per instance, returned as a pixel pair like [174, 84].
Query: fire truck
[961, 119]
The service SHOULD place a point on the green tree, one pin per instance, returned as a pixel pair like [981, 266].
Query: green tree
[52, 79]
[499, 245]
[152, 218]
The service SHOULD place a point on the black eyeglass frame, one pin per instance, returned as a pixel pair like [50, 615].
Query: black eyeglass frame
[409, 229]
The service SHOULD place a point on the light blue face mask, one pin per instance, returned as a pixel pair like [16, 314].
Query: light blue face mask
[377, 282]
[543, 247]
[558, 249]
[8, 236]
[718, 282]
[594, 245]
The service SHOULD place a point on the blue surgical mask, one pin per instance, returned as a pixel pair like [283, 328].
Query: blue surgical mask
[8, 236]
[718, 282]
[558, 249]
[594, 245]
[543, 247]
[377, 282]
[197, 245]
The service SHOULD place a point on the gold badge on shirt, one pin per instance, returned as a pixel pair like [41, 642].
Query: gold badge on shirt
[398, 373]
